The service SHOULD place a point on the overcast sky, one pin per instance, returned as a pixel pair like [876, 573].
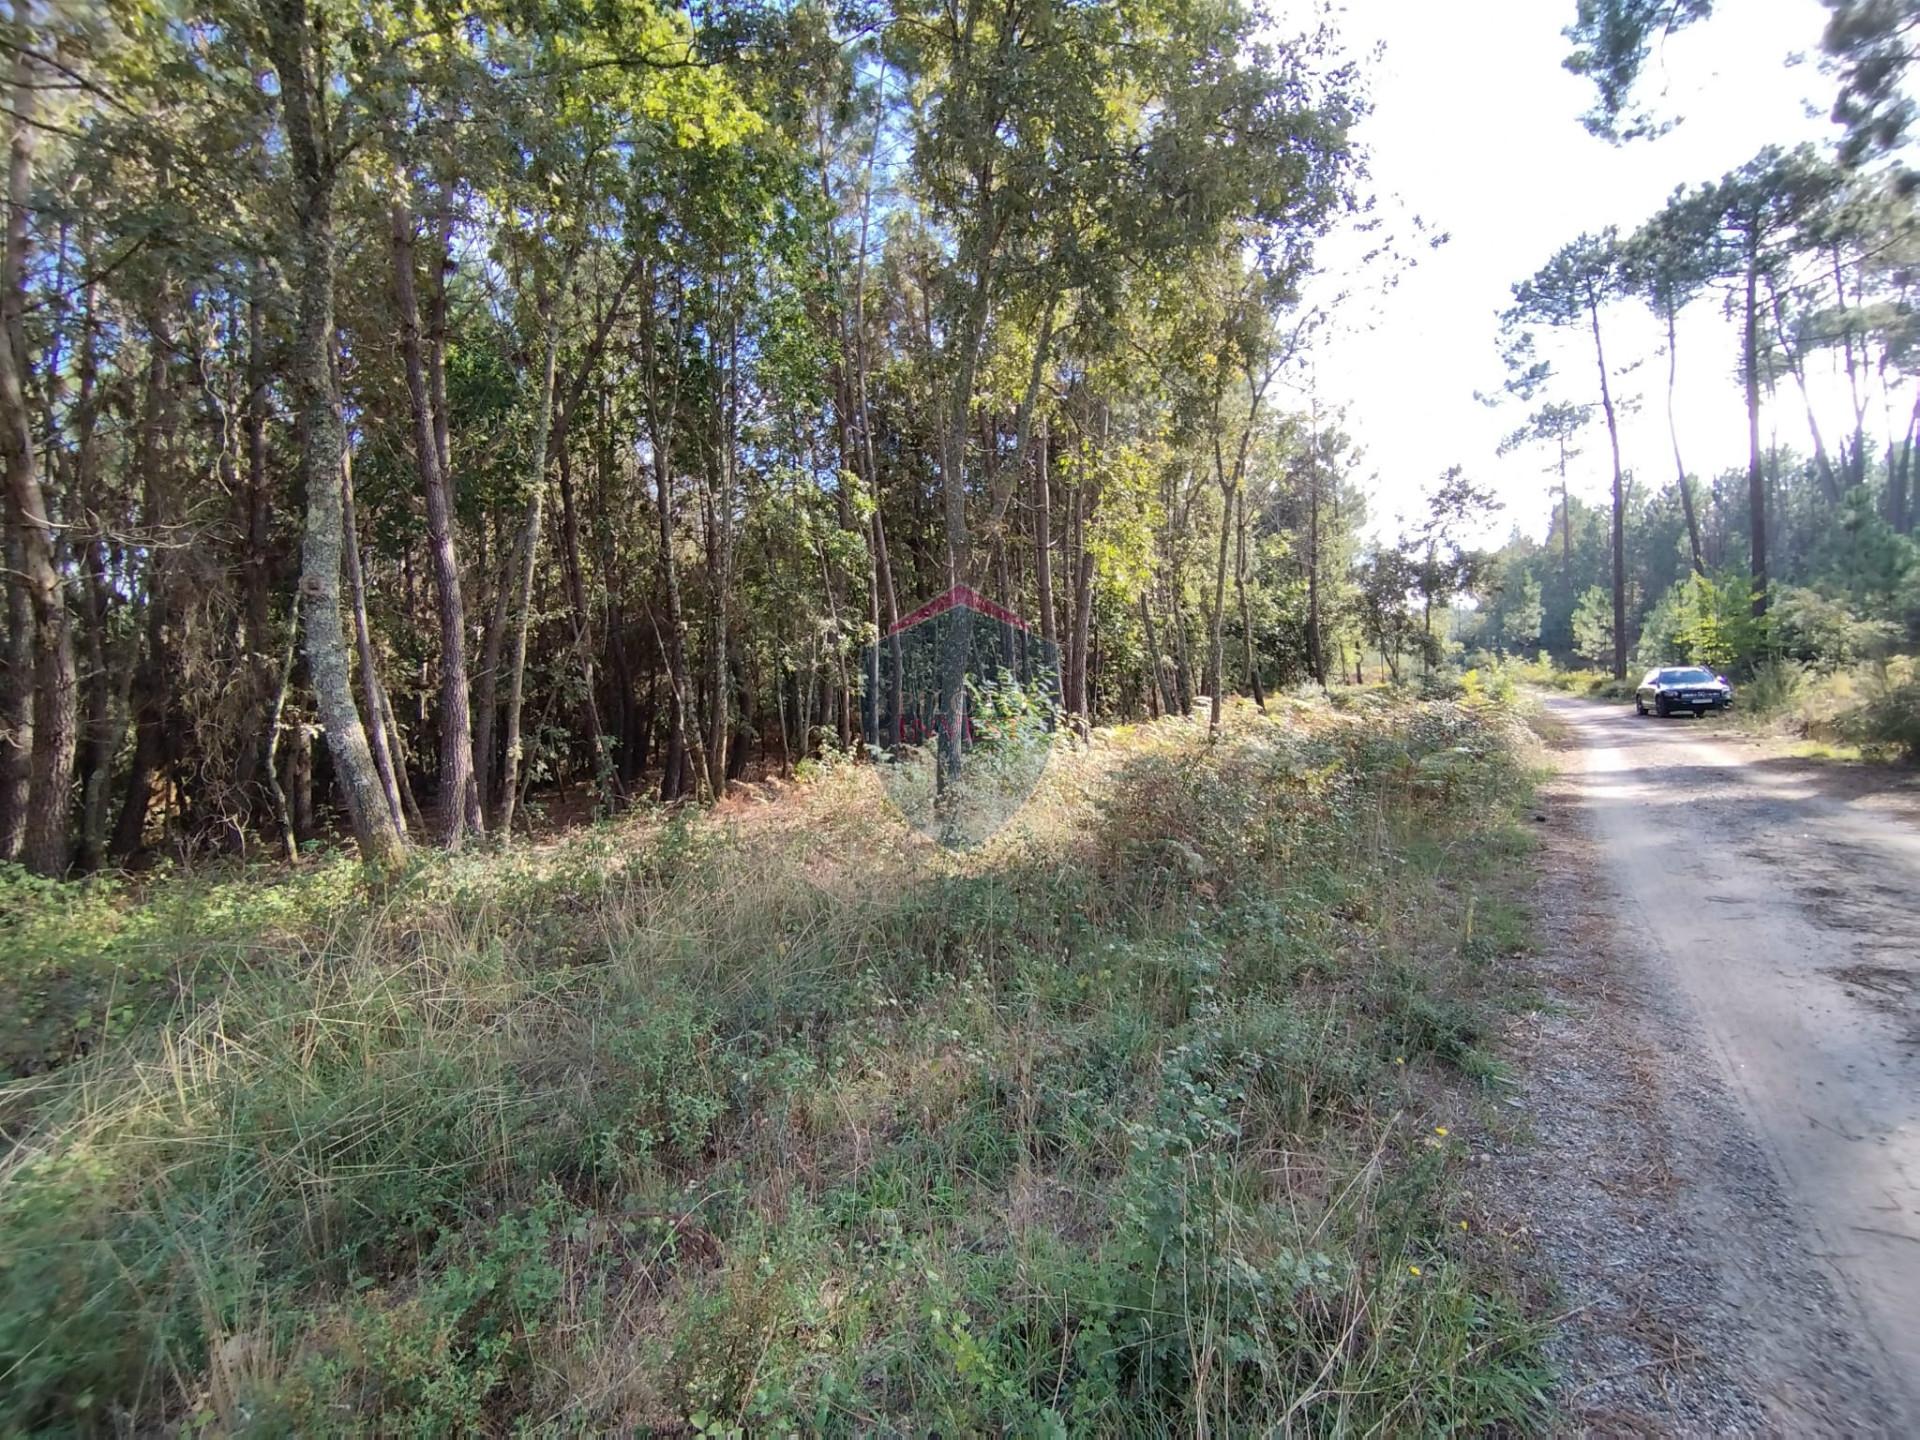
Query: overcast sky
[1476, 129]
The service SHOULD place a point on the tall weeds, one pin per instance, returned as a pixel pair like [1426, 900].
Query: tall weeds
[786, 1120]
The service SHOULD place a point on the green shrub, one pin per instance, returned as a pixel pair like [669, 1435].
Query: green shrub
[1822, 631]
[793, 1125]
[1705, 620]
[1772, 689]
[1888, 715]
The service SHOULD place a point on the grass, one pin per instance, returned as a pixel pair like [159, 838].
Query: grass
[1593, 684]
[1144, 1117]
[1867, 712]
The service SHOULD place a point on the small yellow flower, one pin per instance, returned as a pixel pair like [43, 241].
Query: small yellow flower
[1399, 1059]
[1413, 1269]
[1439, 1129]
[1463, 1224]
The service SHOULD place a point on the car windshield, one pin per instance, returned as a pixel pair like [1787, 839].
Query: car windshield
[1686, 677]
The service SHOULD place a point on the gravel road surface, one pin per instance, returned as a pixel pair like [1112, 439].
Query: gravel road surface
[1723, 1086]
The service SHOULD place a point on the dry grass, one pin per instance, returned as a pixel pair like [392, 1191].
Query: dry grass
[785, 1119]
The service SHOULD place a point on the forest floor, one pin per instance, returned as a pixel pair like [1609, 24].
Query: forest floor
[1164, 1110]
[1716, 1144]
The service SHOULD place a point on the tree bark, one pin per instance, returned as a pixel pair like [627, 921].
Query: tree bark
[720, 529]
[282, 813]
[526, 555]
[1247, 613]
[458, 790]
[605, 777]
[46, 845]
[1216, 660]
[1673, 434]
[255, 525]
[1083, 610]
[16, 724]
[1756, 474]
[370, 688]
[1619, 500]
[152, 700]
[1796, 366]
[322, 440]
[487, 696]
[683, 732]
[1566, 522]
[1158, 702]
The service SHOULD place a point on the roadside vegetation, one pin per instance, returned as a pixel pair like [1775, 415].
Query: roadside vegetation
[1869, 710]
[1147, 1116]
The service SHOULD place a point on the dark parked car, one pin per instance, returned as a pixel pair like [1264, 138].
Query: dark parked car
[1682, 687]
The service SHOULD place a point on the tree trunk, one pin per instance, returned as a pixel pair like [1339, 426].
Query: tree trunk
[1043, 540]
[1316, 643]
[397, 749]
[526, 555]
[487, 697]
[1900, 480]
[370, 689]
[105, 727]
[1246, 610]
[437, 331]
[883, 563]
[1619, 502]
[1159, 702]
[149, 749]
[720, 528]
[322, 441]
[1566, 522]
[102, 731]
[256, 520]
[1216, 661]
[606, 778]
[1673, 434]
[1083, 610]
[458, 790]
[300, 783]
[1182, 659]
[16, 724]
[283, 814]
[46, 845]
[1796, 366]
[1756, 475]
[683, 732]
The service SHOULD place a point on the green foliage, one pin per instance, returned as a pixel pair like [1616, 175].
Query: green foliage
[1523, 616]
[1706, 620]
[1811, 627]
[1888, 716]
[1593, 626]
[1611, 41]
[795, 1127]
[1772, 687]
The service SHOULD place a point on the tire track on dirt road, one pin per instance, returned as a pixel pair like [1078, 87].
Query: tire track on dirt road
[1732, 952]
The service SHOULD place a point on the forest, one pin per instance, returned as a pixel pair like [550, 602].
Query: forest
[417, 409]
[1804, 553]
[460, 969]
[613, 378]
[1799, 561]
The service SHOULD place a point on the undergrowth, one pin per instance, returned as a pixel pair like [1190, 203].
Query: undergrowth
[1141, 1119]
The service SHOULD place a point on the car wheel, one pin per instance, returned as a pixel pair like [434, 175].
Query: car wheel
[1660, 706]
[1639, 707]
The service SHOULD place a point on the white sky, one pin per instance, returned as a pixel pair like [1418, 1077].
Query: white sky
[1476, 130]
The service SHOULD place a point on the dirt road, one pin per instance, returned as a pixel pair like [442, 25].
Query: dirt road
[1763, 933]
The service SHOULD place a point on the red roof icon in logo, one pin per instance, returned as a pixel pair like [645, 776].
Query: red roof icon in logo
[958, 596]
